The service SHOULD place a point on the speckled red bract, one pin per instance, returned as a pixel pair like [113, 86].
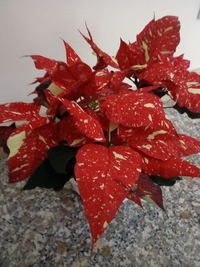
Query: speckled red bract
[105, 176]
[31, 153]
[108, 121]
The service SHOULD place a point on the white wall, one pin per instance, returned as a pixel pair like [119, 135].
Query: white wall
[35, 27]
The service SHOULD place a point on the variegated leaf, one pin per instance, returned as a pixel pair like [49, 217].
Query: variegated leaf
[105, 176]
[169, 168]
[84, 122]
[18, 111]
[133, 109]
[28, 149]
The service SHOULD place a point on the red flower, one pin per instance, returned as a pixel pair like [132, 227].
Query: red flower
[105, 176]
[122, 135]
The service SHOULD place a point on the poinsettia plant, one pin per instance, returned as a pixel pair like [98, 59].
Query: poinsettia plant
[113, 137]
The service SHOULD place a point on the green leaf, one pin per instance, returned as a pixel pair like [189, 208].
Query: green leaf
[60, 157]
[148, 199]
[163, 181]
[46, 177]
[181, 110]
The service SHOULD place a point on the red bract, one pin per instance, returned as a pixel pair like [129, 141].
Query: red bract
[159, 144]
[116, 140]
[103, 59]
[169, 168]
[105, 82]
[133, 109]
[165, 70]
[186, 90]
[36, 135]
[188, 145]
[67, 131]
[105, 176]
[116, 81]
[84, 122]
[125, 57]
[18, 111]
[81, 71]
[159, 38]
[58, 72]
[54, 105]
[145, 188]
[102, 78]
[67, 77]
[28, 149]
[162, 143]
[183, 85]
[44, 63]
[100, 118]
[71, 55]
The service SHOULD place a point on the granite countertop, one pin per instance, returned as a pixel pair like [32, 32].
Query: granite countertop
[46, 228]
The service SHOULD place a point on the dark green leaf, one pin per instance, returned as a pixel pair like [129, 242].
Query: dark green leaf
[163, 181]
[181, 110]
[41, 87]
[46, 177]
[60, 156]
[160, 91]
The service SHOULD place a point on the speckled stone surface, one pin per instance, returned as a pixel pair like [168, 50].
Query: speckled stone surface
[46, 228]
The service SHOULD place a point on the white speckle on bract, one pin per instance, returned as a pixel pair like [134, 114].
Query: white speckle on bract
[16, 113]
[193, 83]
[147, 146]
[116, 168]
[102, 186]
[81, 164]
[85, 121]
[114, 60]
[129, 130]
[161, 141]
[7, 120]
[150, 117]
[168, 29]
[98, 139]
[149, 105]
[145, 47]
[195, 91]
[41, 138]
[111, 196]
[100, 73]
[118, 156]
[77, 141]
[166, 124]
[105, 224]
[15, 142]
[73, 104]
[20, 167]
[152, 136]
